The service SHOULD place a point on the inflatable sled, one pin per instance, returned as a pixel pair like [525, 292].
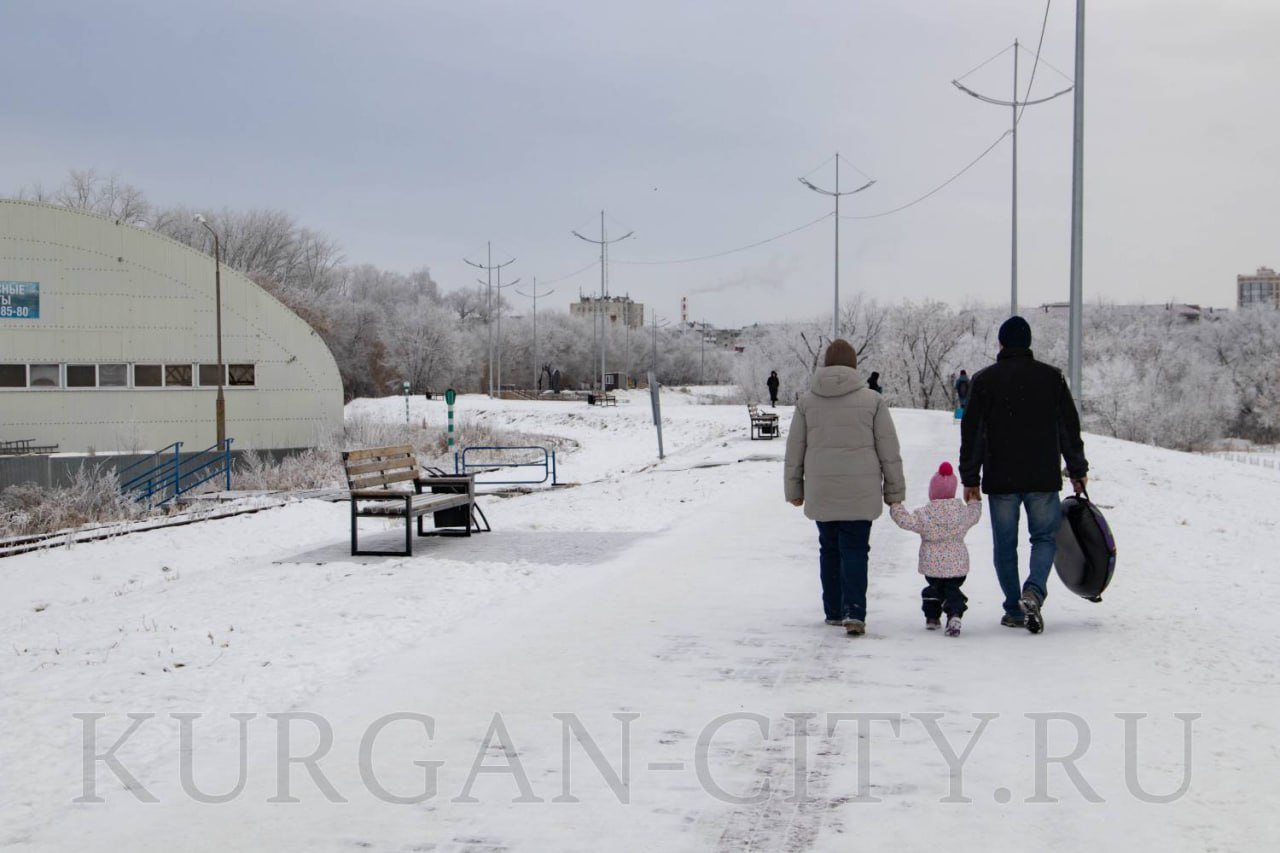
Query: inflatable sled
[1086, 557]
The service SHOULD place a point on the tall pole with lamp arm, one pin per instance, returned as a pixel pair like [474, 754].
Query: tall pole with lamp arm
[603, 243]
[836, 193]
[220, 405]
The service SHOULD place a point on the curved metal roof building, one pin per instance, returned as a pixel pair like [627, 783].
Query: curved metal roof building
[108, 342]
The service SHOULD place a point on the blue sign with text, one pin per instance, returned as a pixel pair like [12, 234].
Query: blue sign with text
[19, 300]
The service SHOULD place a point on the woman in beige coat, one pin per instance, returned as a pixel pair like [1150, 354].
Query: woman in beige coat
[843, 466]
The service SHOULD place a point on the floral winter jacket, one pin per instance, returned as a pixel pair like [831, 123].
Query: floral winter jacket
[942, 525]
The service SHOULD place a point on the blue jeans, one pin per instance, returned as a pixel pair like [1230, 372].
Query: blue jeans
[843, 547]
[1044, 516]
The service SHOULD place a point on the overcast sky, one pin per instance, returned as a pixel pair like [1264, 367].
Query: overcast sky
[414, 131]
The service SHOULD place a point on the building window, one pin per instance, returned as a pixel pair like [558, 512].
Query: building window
[177, 374]
[13, 376]
[147, 376]
[113, 375]
[46, 376]
[209, 374]
[82, 376]
[241, 374]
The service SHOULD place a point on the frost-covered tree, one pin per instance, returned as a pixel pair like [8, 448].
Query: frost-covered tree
[85, 189]
[424, 346]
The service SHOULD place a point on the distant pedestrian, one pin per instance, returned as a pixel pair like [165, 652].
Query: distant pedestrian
[1019, 424]
[962, 389]
[842, 462]
[873, 382]
[773, 383]
[944, 558]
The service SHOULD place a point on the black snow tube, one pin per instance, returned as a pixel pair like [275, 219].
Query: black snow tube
[1086, 556]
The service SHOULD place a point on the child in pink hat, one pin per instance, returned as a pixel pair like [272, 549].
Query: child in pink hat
[944, 558]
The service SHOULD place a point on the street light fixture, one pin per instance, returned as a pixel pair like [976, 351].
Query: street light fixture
[603, 243]
[836, 194]
[220, 406]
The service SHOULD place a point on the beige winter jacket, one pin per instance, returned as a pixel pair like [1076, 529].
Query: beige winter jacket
[842, 450]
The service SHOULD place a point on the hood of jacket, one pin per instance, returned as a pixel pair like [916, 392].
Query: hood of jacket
[836, 381]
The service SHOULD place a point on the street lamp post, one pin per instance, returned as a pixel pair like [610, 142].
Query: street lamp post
[496, 357]
[836, 194]
[537, 371]
[603, 243]
[489, 266]
[1018, 108]
[1075, 327]
[220, 406]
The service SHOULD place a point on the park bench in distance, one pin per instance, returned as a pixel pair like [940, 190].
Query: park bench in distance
[385, 482]
[763, 424]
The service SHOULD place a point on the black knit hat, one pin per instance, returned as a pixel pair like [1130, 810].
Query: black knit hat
[1015, 332]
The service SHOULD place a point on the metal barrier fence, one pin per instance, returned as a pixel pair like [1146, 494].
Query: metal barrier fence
[462, 465]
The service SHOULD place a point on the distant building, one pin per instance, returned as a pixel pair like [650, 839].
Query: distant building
[619, 309]
[1261, 288]
[1185, 311]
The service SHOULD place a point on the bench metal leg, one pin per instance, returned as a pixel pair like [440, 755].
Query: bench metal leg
[355, 539]
[474, 518]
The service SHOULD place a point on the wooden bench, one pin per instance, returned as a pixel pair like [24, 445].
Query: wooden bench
[763, 424]
[604, 400]
[386, 482]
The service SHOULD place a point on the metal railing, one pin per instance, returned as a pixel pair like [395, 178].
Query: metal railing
[164, 475]
[461, 465]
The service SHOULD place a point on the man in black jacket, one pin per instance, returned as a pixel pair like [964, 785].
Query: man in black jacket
[1020, 420]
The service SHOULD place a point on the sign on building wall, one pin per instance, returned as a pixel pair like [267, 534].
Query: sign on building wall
[19, 300]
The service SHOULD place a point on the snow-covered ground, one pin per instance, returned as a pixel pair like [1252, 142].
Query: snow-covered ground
[665, 614]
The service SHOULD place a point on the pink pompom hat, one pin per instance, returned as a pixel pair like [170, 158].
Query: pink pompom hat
[943, 484]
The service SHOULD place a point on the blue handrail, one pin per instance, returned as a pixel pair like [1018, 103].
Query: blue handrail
[165, 477]
[547, 464]
[157, 477]
[204, 466]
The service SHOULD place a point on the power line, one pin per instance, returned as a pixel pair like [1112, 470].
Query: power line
[1043, 25]
[787, 233]
[938, 188]
[576, 272]
[806, 225]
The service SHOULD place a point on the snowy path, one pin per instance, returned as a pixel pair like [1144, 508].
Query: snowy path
[707, 608]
